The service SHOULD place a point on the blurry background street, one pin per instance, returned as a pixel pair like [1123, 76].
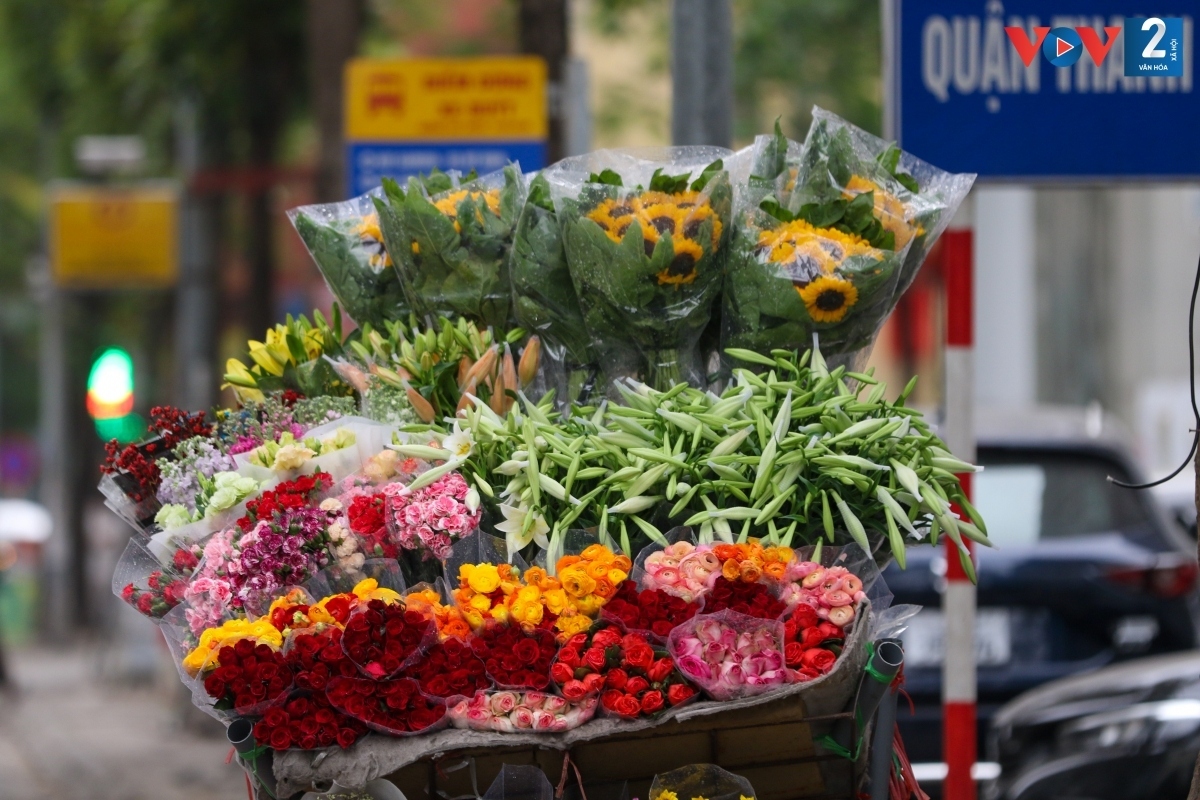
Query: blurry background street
[82, 727]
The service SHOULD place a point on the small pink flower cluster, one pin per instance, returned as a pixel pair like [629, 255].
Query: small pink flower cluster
[730, 655]
[210, 592]
[433, 516]
[831, 591]
[681, 569]
[506, 712]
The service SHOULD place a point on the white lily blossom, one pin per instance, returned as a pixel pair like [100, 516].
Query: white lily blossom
[514, 522]
[459, 442]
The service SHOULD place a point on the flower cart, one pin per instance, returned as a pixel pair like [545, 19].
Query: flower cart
[597, 481]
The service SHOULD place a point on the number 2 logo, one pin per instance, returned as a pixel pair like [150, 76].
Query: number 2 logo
[1160, 30]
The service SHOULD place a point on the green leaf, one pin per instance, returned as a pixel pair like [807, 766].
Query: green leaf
[539, 193]
[772, 207]
[608, 177]
[707, 175]
[907, 181]
[671, 184]
[822, 215]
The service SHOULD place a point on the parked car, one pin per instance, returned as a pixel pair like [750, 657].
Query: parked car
[1084, 573]
[1130, 731]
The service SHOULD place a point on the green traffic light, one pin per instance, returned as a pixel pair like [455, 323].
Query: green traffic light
[110, 397]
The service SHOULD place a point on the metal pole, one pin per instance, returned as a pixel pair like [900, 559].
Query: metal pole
[702, 72]
[958, 602]
[544, 31]
[194, 297]
[54, 476]
[881, 763]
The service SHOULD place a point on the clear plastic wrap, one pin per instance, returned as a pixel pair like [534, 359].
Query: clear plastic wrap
[117, 488]
[520, 782]
[935, 194]
[645, 235]
[346, 242]
[510, 711]
[544, 299]
[451, 243]
[700, 782]
[164, 544]
[730, 655]
[829, 235]
[392, 707]
[338, 579]
[143, 582]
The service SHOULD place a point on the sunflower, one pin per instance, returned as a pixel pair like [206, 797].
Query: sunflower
[372, 241]
[614, 217]
[448, 205]
[663, 217]
[779, 245]
[889, 209]
[682, 268]
[828, 298]
[804, 261]
[694, 217]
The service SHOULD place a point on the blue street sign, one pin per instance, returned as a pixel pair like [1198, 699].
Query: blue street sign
[371, 161]
[970, 96]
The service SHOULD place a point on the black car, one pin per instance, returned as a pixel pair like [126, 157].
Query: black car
[1126, 732]
[1084, 573]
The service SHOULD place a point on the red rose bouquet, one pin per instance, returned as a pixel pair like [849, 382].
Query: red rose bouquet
[384, 638]
[316, 658]
[651, 612]
[395, 707]
[450, 669]
[307, 723]
[751, 599]
[515, 658]
[248, 677]
[634, 679]
[811, 645]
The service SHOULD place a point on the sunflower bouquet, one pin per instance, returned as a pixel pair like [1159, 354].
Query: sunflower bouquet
[345, 241]
[544, 299]
[824, 242]
[645, 249]
[912, 198]
[450, 242]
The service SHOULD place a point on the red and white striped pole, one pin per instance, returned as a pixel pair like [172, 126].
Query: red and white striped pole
[958, 602]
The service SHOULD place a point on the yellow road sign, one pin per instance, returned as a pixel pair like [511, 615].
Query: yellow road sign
[434, 99]
[111, 237]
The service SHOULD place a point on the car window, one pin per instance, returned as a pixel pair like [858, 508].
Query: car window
[1029, 496]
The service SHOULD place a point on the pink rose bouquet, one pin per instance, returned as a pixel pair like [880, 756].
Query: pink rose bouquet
[832, 592]
[731, 655]
[680, 569]
[528, 712]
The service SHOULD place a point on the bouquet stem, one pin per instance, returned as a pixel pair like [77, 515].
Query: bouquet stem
[663, 369]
